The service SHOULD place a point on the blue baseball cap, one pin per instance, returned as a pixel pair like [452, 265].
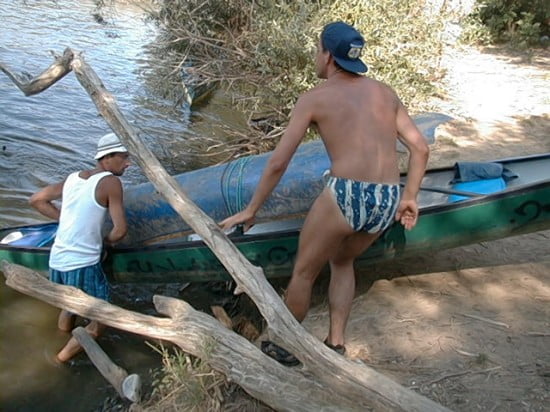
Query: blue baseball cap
[345, 44]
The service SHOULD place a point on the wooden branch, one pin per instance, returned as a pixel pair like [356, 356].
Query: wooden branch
[198, 334]
[538, 334]
[357, 382]
[54, 73]
[490, 321]
[128, 387]
[462, 373]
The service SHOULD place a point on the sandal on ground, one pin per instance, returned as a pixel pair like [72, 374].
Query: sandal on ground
[279, 354]
[340, 349]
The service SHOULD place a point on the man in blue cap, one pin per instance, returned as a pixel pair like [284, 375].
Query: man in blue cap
[359, 120]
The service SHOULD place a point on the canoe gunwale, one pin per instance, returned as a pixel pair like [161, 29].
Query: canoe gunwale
[516, 191]
[189, 244]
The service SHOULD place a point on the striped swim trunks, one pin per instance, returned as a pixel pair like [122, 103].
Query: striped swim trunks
[368, 207]
[90, 279]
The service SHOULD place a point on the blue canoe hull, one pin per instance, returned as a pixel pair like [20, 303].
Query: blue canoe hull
[225, 189]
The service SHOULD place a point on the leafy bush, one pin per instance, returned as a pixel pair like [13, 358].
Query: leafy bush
[262, 52]
[521, 23]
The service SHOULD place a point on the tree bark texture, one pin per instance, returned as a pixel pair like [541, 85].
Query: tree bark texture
[198, 334]
[110, 371]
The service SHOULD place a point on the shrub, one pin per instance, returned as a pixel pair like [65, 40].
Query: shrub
[520, 23]
[262, 52]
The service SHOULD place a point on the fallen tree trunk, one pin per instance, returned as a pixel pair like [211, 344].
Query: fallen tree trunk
[198, 334]
[356, 382]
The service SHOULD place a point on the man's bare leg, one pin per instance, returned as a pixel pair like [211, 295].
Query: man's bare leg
[72, 347]
[322, 233]
[65, 321]
[342, 284]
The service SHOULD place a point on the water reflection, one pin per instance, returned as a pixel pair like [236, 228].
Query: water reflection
[42, 139]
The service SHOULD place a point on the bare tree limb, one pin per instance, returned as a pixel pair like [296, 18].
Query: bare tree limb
[198, 334]
[35, 85]
[127, 386]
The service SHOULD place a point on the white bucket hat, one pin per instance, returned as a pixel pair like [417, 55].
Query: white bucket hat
[109, 144]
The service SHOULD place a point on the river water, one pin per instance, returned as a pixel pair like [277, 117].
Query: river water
[42, 139]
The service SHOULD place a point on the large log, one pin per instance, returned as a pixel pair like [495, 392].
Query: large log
[198, 334]
[358, 382]
[57, 70]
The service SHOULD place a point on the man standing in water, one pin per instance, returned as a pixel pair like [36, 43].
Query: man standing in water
[359, 120]
[75, 258]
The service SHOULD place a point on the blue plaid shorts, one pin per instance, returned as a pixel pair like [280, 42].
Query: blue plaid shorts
[368, 207]
[90, 279]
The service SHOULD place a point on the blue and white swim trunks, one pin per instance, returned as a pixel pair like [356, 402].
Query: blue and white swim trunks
[368, 207]
[90, 279]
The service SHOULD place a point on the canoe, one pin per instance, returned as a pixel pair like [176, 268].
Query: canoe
[452, 214]
[223, 190]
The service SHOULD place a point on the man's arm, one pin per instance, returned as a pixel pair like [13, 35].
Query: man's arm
[415, 142]
[300, 120]
[110, 189]
[42, 200]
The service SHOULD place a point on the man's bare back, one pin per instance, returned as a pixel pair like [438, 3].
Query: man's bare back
[356, 118]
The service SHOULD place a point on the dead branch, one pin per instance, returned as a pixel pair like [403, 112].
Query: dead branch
[490, 321]
[127, 386]
[462, 373]
[543, 334]
[30, 86]
[195, 333]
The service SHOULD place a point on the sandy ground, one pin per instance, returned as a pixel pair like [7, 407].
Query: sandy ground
[468, 327]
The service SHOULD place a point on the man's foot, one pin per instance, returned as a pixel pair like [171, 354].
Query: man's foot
[340, 349]
[52, 359]
[279, 354]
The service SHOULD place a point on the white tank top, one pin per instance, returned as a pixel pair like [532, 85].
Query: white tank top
[79, 237]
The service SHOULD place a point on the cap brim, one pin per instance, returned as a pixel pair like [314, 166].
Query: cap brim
[102, 153]
[353, 66]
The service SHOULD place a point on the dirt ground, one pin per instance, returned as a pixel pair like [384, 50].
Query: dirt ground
[468, 327]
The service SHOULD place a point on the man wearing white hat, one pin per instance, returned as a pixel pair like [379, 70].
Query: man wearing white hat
[75, 258]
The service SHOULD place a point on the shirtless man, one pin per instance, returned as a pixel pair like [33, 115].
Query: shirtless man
[75, 258]
[359, 120]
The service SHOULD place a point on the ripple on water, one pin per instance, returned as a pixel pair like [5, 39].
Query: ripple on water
[42, 139]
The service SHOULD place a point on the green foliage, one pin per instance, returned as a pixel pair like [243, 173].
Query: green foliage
[262, 51]
[521, 23]
[403, 43]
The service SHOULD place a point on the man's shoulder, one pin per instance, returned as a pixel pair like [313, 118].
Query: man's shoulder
[315, 93]
[110, 182]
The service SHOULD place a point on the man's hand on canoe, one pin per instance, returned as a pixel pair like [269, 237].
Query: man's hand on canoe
[245, 217]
